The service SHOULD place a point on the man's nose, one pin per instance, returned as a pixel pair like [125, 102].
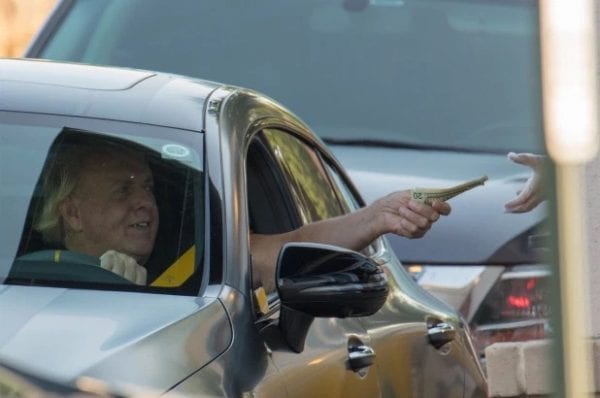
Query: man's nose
[143, 197]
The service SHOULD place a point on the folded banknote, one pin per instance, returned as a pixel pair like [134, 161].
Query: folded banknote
[428, 195]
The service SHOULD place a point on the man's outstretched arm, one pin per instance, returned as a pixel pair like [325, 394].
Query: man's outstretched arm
[395, 213]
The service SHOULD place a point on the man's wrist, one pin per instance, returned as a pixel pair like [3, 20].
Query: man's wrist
[376, 220]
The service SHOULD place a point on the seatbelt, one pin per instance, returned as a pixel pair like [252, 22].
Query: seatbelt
[178, 272]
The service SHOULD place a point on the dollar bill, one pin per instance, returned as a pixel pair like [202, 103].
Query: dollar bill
[428, 195]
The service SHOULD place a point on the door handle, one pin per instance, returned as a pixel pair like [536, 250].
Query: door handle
[440, 333]
[360, 357]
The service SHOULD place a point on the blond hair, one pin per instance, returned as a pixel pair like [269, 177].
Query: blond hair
[61, 176]
[59, 180]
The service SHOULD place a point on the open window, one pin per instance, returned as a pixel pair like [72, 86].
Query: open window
[269, 200]
[289, 185]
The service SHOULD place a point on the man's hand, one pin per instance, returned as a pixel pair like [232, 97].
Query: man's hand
[123, 265]
[408, 217]
[532, 193]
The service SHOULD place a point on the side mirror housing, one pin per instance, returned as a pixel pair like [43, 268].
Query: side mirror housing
[329, 281]
[317, 280]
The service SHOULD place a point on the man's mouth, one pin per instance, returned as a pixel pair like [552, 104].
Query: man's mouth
[141, 225]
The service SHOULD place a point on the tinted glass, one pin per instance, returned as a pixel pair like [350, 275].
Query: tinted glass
[69, 196]
[308, 180]
[458, 74]
[347, 197]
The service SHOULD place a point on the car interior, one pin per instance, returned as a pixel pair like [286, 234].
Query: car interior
[268, 202]
[181, 217]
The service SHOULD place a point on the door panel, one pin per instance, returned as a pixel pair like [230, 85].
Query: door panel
[322, 368]
[405, 331]
[409, 364]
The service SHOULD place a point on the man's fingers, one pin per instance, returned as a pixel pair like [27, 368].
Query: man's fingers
[513, 204]
[141, 276]
[410, 218]
[107, 260]
[412, 224]
[528, 198]
[409, 233]
[419, 220]
[442, 208]
[123, 265]
[522, 197]
[520, 158]
[130, 271]
[526, 159]
[412, 228]
[422, 210]
[515, 157]
[524, 205]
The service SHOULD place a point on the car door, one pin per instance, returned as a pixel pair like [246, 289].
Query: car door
[287, 186]
[422, 347]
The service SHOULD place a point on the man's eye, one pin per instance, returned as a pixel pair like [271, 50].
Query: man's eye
[123, 190]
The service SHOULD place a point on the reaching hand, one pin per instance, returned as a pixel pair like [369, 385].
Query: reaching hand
[407, 217]
[532, 193]
[123, 265]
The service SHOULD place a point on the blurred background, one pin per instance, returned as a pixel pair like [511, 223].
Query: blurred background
[19, 21]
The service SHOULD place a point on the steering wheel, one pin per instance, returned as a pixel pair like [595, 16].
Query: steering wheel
[63, 265]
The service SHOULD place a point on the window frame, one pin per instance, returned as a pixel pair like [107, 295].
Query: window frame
[328, 164]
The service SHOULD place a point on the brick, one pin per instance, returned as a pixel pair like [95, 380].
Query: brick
[506, 376]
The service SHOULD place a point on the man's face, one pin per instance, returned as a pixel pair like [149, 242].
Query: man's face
[113, 207]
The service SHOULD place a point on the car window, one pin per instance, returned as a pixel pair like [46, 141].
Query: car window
[70, 195]
[287, 186]
[348, 198]
[270, 204]
[440, 73]
[305, 173]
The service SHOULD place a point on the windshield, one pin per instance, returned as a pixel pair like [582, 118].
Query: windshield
[109, 208]
[447, 74]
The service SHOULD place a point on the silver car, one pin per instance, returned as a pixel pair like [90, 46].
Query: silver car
[226, 161]
[407, 93]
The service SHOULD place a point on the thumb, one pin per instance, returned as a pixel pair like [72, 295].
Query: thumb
[525, 159]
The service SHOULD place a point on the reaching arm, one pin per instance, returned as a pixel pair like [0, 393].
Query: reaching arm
[394, 213]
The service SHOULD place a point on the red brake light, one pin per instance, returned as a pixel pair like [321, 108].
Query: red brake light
[515, 309]
[520, 302]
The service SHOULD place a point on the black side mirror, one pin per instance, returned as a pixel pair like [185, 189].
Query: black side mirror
[329, 281]
[316, 280]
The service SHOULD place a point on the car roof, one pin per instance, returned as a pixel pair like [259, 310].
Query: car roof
[51, 87]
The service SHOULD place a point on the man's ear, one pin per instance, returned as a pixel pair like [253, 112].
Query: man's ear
[71, 214]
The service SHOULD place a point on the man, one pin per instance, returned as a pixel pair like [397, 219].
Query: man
[99, 201]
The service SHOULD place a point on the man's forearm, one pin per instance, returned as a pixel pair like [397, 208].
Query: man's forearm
[394, 213]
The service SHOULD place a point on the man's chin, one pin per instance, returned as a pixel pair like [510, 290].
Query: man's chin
[140, 257]
[140, 251]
